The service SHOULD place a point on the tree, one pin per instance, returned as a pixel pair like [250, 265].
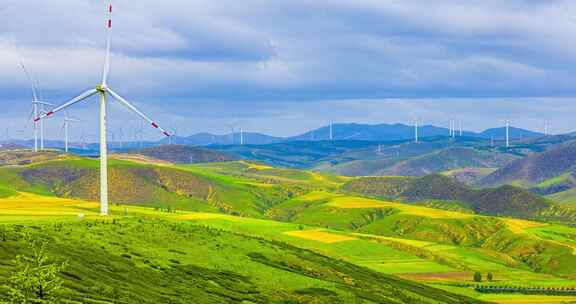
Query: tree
[490, 277]
[36, 279]
[477, 277]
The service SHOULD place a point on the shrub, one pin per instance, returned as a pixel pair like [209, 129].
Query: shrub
[477, 277]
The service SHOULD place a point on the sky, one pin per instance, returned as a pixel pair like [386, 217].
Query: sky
[285, 66]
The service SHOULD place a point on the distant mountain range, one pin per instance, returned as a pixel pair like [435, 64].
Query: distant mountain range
[347, 131]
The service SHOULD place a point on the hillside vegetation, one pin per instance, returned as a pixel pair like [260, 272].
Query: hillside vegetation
[184, 154]
[504, 200]
[155, 261]
[421, 229]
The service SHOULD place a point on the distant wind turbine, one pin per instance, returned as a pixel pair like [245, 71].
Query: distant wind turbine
[507, 133]
[103, 91]
[416, 130]
[65, 126]
[331, 131]
[37, 108]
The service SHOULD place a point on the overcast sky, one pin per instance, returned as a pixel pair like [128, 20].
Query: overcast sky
[284, 66]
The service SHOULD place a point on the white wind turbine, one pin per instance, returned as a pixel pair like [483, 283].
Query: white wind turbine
[66, 125]
[103, 90]
[37, 108]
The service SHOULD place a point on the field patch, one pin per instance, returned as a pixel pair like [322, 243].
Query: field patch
[350, 202]
[320, 236]
[206, 216]
[520, 226]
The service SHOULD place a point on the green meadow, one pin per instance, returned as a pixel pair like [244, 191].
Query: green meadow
[240, 232]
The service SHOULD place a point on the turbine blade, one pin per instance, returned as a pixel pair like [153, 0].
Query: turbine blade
[67, 104]
[108, 42]
[32, 85]
[135, 110]
[43, 103]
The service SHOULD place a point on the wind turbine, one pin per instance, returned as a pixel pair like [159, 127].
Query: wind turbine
[103, 90]
[37, 108]
[67, 121]
[416, 130]
[331, 130]
[241, 136]
[507, 133]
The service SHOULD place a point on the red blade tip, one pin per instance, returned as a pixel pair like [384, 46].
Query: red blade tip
[154, 125]
[110, 8]
[166, 133]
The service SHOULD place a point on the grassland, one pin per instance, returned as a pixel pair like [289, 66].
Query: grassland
[272, 218]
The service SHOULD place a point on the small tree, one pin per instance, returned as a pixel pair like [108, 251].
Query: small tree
[490, 277]
[36, 280]
[477, 277]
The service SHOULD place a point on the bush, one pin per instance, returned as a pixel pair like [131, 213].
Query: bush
[477, 277]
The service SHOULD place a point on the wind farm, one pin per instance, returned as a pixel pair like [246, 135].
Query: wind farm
[308, 154]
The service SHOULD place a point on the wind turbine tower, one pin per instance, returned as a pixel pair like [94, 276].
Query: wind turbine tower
[67, 121]
[103, 90]
[331, 131]
[507, 133]
[241, 136]
[416, 130]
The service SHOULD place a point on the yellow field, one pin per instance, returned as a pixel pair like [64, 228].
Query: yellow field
[30, 204]
[520, 226]
[320, 236]
[342, 201]
[141, 159]
[257, 166]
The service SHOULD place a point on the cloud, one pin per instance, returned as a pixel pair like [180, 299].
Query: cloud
[264, 54]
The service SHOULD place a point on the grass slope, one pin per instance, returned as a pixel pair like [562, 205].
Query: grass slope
[160, 261]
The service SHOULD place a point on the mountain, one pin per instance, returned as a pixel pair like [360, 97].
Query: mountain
[536, 168]
[505, 200]
[380, 132]
[184, 154]
[448, 159]
[391, 132]
[514, 133]
[206, 139]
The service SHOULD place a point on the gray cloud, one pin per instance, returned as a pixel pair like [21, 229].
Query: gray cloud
[212, 60]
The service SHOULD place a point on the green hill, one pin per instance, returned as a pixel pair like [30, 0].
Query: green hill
[424, 229]
[184, 154]
[505, 200]
[448, 159]
[536, 168]
[154, 261]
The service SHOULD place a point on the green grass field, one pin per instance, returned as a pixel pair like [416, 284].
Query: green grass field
[235, 220]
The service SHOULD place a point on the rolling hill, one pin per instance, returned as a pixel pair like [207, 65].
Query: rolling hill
[505, 200]
[181, 154]
[238, 209]
[535, 168]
